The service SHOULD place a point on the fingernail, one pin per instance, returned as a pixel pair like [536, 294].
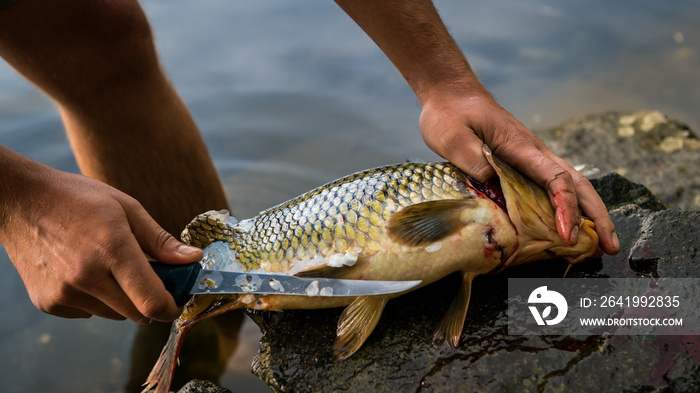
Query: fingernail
[186, 250]
[573, 236]
[615, 241]
[144, 321]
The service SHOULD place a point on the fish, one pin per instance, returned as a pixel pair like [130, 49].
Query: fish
[408, 221]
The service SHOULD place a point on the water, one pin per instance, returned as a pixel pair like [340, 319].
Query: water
[289, 95]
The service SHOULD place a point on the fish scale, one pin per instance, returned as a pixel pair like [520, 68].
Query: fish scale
[343, 216]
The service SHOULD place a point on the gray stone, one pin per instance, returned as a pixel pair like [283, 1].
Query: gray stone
[198, 386]
[296, 350]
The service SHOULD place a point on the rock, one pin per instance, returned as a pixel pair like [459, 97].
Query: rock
[295, 352]
[646, 147]
[616, 191]
[198, 386]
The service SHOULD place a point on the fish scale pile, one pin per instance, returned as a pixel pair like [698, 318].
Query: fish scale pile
[334, 221]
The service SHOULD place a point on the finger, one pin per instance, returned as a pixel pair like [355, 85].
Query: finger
[81, 306]
[545, 171]
[157, 242]
[563, 197]
[97, 308]
[66, 312]
[108, 300]
[136, 278]
[145, 290]
[96, 292]
[93, 307]
[594, 208]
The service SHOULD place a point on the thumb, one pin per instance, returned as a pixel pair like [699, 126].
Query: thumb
[470, 158]
[157, 242]
[464, 149]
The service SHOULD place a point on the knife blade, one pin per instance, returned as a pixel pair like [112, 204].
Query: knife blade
[183, 281]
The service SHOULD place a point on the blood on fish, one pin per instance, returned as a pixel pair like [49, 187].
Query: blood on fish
[491, 189]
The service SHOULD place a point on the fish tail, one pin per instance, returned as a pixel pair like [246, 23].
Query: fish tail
[162, 374]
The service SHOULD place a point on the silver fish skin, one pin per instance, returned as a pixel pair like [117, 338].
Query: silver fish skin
[410, 221]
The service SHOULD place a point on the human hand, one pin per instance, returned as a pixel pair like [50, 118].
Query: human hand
[79, 245]
[456, 120]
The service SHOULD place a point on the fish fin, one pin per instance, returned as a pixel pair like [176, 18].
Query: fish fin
[209, 227]
[161, 376]
[356, 323]
[427, 222]
[567, 269]
[450, 327]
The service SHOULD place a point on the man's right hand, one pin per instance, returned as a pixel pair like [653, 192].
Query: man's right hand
[79, 244]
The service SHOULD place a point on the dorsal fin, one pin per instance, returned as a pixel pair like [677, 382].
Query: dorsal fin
[427, 222]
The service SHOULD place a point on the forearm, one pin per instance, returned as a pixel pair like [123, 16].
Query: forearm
[414, 38]
[152, 152]
[16, 177]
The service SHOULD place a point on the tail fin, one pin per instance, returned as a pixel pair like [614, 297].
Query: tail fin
[162, 374]
[201, 307]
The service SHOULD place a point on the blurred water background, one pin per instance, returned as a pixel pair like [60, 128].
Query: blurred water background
[289, 95]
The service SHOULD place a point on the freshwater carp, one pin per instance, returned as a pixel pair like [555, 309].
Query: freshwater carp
[410, 221]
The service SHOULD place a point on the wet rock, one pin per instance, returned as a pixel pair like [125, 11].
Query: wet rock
[617, 191]
[198, 386]
[295, 352]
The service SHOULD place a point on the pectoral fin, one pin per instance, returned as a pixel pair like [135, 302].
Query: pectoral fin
[450, 327]
[428, 222]
[356, 323]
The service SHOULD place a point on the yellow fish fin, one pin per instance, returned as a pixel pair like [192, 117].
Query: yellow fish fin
[427, 222]
[356, 323]
[450, 327]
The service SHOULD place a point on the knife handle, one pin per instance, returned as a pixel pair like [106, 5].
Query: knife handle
[178, 279]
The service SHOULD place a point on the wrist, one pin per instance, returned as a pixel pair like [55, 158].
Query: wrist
[448, 89]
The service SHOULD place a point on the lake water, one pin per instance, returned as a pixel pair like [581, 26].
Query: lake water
[289, 95]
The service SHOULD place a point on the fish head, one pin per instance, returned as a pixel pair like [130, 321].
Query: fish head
[531, 212]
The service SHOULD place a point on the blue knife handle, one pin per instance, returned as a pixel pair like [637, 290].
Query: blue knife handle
[178, 279]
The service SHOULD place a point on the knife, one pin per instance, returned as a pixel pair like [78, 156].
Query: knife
[183, 281]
